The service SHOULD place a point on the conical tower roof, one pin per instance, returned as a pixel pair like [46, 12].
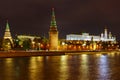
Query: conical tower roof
[7, 26]
[53, 21]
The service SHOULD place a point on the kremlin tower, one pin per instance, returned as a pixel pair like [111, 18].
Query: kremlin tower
[7, 34]
[7, 39]
[53, 33]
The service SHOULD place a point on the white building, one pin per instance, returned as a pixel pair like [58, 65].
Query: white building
[86, 37]
[24, 37]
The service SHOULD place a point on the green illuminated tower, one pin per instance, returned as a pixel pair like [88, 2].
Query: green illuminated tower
[53, 33]
[7, 39]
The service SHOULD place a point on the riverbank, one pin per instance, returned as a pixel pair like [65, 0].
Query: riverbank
[48, 53]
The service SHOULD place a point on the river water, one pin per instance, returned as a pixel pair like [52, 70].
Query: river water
[65, 67]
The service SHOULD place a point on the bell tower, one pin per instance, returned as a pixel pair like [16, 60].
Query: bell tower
[53, 33]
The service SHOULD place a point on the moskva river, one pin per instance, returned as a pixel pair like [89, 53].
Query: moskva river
[66, 67]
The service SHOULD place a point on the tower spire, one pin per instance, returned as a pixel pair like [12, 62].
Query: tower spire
[7, 26]
[53, 21]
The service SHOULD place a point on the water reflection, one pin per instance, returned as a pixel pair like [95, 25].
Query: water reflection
[9, 69]
[64, 68]
[84, 67]
[67, 67]
[103, 68]
[35, 68]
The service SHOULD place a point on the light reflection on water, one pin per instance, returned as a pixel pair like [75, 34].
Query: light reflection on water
[34, 68]
[103, 69]
[8, 65]
[65, 67]
[84, 67]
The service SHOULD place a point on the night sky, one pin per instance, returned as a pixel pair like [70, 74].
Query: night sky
[33, 17]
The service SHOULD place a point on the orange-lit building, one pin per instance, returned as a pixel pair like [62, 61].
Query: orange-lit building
[88, 42]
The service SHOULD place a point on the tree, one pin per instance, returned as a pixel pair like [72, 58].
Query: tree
[26, 44]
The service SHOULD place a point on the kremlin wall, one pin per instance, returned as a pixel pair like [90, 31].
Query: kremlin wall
[76, 42]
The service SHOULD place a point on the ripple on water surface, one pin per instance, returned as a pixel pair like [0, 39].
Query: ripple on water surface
[66, 67]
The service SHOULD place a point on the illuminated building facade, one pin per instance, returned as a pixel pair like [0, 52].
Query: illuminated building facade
[86, 37]
[24, 37]
[53, 33]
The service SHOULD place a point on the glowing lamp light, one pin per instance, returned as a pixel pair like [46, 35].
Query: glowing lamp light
[63, 43]
[84, 44]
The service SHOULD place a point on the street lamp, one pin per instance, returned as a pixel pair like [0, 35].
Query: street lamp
[39, 46]
[33, 44]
